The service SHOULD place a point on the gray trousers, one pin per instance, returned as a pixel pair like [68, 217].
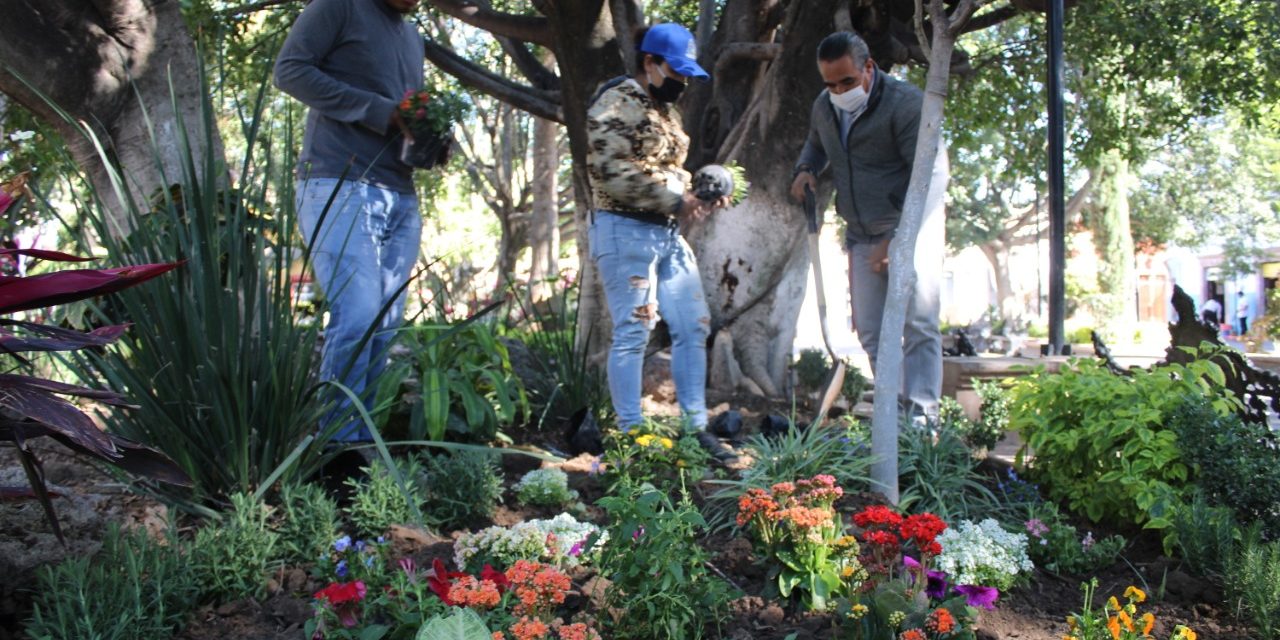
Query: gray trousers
[921, 340]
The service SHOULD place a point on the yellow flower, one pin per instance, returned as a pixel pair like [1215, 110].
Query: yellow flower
[1135, 593]
[1071, 622]
[681, 463]
[666, 442]
[1184, 633]
[644, 440]
[1113, 603]
[1148, 621]
[846, 572]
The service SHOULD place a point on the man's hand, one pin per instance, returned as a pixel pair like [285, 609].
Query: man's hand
[693, 208]
[797, 186]
[398, 122]
[879, 258]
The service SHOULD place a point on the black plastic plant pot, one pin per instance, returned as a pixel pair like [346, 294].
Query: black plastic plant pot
[428, 150]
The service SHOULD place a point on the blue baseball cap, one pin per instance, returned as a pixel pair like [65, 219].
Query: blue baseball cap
[675, 44]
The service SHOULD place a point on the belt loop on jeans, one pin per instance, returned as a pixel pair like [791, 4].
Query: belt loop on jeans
[649, 217]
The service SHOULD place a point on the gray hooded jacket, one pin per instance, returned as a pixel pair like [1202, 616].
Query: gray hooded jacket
[872, 168]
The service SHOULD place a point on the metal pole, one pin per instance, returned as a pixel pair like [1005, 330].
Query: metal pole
[1057, 209]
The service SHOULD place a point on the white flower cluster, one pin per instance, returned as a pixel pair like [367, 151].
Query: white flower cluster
[983, 554]
[502, 546]
[549, 486]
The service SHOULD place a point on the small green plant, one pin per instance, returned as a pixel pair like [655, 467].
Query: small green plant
[234, 555]
[135, 588]
[546, 487]
[1056, 545]
[1253, 582]
[1099, 439]
[378, 501]
[812, 367]
[1114, 621]
[1204, 535]
[938, 475]
[654, 452]
[854, 384]
[461, 486]
[993, 414]
[307, 520]
[658, 576]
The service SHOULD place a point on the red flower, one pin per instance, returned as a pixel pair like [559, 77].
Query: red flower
[345, 599]
[877, 515]
[496, 577]
[923, 529]
[441, 580]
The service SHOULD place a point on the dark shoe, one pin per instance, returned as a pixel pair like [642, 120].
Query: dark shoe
[721, 453]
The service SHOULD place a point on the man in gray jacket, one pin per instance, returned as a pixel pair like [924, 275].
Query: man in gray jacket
[351, 62]
[862, 134]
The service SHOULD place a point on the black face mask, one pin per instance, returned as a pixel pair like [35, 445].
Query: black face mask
[669, 91]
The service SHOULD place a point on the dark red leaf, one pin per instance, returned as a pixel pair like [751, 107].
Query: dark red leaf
[131, 456]
[19, 395]
[23, 493]
[44, 255]
[101, 395]
[20, 294]
[51, 338]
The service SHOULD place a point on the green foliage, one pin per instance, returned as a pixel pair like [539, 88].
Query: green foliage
[855, 382]
[224, 374]
[468, 387]
[379, 501]
[547, 487]
[980, 435]
[461, 486]
[1205, 535]
[1099, 439]
[658, 577]
[938, 475]
[993, 414]
[1054, 544]
[813, 370]
[1095, 624]
[233, 555]
[655, 453]
[307, 521]
[1233, 462]
[1253, 583]
[135, 588]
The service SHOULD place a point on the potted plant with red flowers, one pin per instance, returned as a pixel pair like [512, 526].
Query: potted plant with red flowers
[429, 116]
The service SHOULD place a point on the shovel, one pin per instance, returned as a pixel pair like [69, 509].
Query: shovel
[832, 389]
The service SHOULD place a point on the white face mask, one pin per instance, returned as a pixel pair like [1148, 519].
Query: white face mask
[850, 101]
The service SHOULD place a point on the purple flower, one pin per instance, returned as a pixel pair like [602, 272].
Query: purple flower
[342, 544]
[342, 569]
[638, 532]
[359, 546]
[936, 585]
[976, 596]
[595, 467]
[576, 549]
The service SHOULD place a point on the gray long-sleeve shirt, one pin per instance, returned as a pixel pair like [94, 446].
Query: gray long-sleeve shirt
[351, 62]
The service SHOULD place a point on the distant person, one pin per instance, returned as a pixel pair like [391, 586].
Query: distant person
[636, 153]
[1242, 313]
[351, 62]
[862, 134]
[1212, 312]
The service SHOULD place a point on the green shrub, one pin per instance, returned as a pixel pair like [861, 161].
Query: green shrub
[307, 522]
[1204, 535]
[657, 572]
[134, 589]
[1099, 439]
[855, 383]
[378, 500]
[234, 555]
[1235, 463]
[655, 452]
[460, 487]
[547, 487]
[1253, 583]
[812, 368]
[938, 475]
[993, 414]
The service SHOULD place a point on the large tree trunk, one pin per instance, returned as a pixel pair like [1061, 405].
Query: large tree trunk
[997, 253]
[111, 66]
[544, 224]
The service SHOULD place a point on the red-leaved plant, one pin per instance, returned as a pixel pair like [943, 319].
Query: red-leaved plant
[32, 407]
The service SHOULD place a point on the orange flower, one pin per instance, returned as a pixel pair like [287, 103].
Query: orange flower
[1148, 621]
[940, 621]
[529, 629]
[1135, 593]
[497, 635]
[912, 634]
[1126, 619]
[469, 592]
[1113, 625]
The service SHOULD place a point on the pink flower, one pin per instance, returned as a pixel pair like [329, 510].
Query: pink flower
[420, 114]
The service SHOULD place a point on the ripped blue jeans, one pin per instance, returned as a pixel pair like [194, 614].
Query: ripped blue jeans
[363, 248]
[647, 270]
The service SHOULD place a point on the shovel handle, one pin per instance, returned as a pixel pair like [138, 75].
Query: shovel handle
[811, 209]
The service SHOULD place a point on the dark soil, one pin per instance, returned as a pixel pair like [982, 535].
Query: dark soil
[91, 500]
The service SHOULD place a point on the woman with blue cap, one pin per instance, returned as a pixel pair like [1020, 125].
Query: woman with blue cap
[636, 163]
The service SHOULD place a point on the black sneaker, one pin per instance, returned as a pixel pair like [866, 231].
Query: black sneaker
[721, 453]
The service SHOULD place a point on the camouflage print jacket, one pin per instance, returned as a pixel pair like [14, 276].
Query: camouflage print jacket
[637, 149]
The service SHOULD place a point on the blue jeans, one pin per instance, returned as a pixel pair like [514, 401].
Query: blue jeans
[646, 269]
[362, 252]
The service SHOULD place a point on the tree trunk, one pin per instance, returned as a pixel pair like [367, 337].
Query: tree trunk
[111, 66]
[544, 224]
[997, 253]
[888, 378]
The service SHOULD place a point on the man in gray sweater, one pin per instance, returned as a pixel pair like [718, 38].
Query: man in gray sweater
[351, 62]
[862, 134]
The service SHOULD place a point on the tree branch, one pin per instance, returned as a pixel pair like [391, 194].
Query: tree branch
[529, 65]
[990, 19]
[626, 18]
[918, 20]
[251, 7]
[960, 17]
[736, 51]
[527, 28]
[543, 104]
